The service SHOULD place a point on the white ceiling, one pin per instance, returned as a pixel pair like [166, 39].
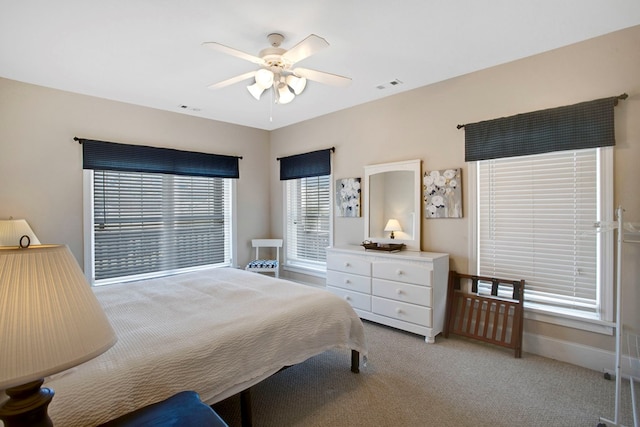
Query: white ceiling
[149, 52]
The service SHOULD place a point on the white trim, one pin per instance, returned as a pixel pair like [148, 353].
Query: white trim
[87, 217]
[576, 354]
[234, 223]
[283, 191]
[304, 270]
[598, 326]
[472, 209]
[332, 201]
[606, 276]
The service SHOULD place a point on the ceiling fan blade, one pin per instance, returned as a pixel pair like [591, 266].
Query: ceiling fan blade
[322, 77]
[234, 52]
[232, 80]
[305, 48]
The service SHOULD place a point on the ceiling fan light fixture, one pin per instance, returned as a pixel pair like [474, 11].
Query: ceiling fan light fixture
[276, 70]
[255, 90]
[296, 83]
[264, 78]
[285, 96]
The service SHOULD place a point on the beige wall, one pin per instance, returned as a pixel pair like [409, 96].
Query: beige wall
[422, 124]
[41, 165]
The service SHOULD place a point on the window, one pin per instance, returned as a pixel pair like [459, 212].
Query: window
[308, 207]
[151, 224]
[153, 211]
[307, 201]
[542, 180]
[535, 217]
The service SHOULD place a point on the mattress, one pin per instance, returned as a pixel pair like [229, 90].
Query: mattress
[215, 331]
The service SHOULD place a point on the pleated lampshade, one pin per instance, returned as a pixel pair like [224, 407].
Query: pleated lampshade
[11, 230]
[393, 225]
[50, 319]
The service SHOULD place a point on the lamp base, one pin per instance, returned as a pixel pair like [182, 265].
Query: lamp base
[27, 406]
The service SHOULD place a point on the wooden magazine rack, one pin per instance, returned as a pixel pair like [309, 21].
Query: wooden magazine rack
[494, 318]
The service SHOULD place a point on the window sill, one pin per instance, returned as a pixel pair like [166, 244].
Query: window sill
[591, 325]
[309, 271]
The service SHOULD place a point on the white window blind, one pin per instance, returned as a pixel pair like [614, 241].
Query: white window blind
[308, 221]
[152, 223]
[535, 222]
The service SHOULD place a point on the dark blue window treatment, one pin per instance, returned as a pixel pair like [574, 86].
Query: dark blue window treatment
[100, 155]
[315, 163]
[584, 125]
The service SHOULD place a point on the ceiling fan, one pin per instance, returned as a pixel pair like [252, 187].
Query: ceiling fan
[276, 68]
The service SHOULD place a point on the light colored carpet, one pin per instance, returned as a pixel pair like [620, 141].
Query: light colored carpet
[456, 382]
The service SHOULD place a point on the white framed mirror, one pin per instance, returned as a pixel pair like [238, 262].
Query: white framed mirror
[392, 192]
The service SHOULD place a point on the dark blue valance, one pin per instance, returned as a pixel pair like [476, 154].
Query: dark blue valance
[584, 125]
[315, 163]
[100, 155]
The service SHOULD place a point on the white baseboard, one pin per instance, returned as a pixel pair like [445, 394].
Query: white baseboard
[578, 354]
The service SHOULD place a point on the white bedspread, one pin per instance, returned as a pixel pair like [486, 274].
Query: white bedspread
[215, 331]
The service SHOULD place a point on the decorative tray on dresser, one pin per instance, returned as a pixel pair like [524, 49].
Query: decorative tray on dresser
[406, 290]
[387, 247]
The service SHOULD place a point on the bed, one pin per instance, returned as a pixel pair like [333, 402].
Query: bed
[215, 331]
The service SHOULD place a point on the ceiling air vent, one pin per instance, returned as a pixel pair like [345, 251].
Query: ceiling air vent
[186, 107]
[387, 85]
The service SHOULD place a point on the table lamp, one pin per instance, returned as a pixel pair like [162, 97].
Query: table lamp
[392, 225]
[13, 232]
[50, 321]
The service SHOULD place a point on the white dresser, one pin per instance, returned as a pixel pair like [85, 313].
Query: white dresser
[406, 290]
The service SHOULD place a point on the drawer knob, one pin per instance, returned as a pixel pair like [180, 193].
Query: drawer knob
[398, 311]
[399, 272]
[399, 291]
[347, 297]
[347, 281]
[346, 264]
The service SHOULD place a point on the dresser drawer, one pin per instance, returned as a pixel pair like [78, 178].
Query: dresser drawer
[421, 295]
[402, 311]
[349, 281]
[404, 272]
[353, 265]
[356, 299]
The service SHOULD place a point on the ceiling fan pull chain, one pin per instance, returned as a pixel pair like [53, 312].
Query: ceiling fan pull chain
[271, 107]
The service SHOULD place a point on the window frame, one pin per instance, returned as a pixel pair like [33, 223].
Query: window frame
[604, 325]
[89, 237]
[311, 268]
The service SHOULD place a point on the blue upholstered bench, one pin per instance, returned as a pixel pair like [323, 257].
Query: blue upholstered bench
[184, 409]
[262, 263]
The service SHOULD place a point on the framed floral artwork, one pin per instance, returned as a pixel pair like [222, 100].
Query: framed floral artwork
[348, 197]
[442, 193]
